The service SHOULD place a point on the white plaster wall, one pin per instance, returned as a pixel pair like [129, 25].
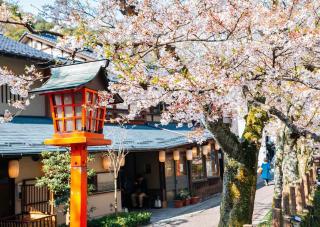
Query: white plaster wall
[98, 204]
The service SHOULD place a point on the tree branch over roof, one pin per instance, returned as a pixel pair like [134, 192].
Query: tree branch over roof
[28, 26]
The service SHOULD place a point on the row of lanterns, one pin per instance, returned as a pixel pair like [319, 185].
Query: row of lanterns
[14, 166]
[190, 153]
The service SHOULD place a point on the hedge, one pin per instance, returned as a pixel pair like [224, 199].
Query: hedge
[131, 219]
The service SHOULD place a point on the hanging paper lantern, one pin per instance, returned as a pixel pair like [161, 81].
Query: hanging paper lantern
[189, 154]
[176, 155]
[106, 163]
[216, 146]
[194, 151]
[162, 156]
[13, 168]
[206, 149]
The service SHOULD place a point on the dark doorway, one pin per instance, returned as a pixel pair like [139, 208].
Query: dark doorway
[6, 190]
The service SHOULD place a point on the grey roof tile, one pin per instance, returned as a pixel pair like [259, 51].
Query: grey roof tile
[33, 131]
[71, 76]
[11, 47]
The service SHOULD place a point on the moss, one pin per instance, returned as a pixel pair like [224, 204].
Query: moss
[235, 192]
[240, 175]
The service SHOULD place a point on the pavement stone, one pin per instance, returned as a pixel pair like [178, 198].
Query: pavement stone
[206, 213]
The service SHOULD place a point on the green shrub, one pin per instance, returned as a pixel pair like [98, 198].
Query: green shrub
[132, 219]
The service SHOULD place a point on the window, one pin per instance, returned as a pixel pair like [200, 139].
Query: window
[211, 164]
[6, 96]
[102, 182]
[197, 167]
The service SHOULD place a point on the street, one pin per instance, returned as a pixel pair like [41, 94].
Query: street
[206, 214]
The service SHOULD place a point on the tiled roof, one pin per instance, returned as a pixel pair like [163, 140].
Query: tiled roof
[25, 135]
[71, 76]
[12, 47]
[53, 40]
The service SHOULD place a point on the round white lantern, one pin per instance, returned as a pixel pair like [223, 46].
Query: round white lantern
[216, 146]
[106, 163]
[162, 156]
[176, 155]
[13, 168]
[189, 154]
[194, 151]
[206, 149]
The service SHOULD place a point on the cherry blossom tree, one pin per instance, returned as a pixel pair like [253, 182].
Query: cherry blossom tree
[208, 59]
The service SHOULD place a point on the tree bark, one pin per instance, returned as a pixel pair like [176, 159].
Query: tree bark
[278, 174]
[278, 183]
[240, 175]
[115, 182]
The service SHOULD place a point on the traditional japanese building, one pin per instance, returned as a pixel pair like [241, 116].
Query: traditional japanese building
[22, 140]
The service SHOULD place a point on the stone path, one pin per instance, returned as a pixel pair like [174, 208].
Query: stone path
[206, 214]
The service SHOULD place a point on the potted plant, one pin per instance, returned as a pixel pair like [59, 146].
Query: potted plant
[188, 200]
[185, 195]
[178, 201]
[194, 198]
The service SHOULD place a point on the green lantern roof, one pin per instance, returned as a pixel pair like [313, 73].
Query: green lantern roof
[71, 76]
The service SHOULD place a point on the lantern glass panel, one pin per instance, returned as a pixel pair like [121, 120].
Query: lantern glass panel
[67, 99]
[94, 113]
[78, 124]
[57, 100]
[78, 98]
[88, 110]
[59, 125]
[78, 111]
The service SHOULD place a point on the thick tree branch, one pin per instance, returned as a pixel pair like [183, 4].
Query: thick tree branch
[28, 26]
[294, 128]
[226, 139]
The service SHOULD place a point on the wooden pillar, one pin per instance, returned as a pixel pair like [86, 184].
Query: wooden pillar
[312, 179]
[216, 158]
[189, 168]
[315, 174]
[162, 176]
[300, 197]
[286, 203]
[175, 178]
[276, 213]
[293, 204]
[307, 187]
[276, 217]
[78, 197]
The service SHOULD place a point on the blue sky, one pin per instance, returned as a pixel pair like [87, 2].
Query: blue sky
[29, 5]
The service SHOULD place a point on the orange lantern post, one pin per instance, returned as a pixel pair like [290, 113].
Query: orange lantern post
[78, 122]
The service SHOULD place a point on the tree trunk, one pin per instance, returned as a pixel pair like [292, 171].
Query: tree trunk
[239, 187]
[278, 182]
[115, 182]
[278, 174]
[240, 175]
[290, 166]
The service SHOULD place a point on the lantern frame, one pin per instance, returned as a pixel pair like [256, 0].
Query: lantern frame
[86, 122]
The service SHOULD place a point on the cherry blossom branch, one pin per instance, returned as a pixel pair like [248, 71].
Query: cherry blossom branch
[28, 26]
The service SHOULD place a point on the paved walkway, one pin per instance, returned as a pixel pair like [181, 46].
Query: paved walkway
[206, 214]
